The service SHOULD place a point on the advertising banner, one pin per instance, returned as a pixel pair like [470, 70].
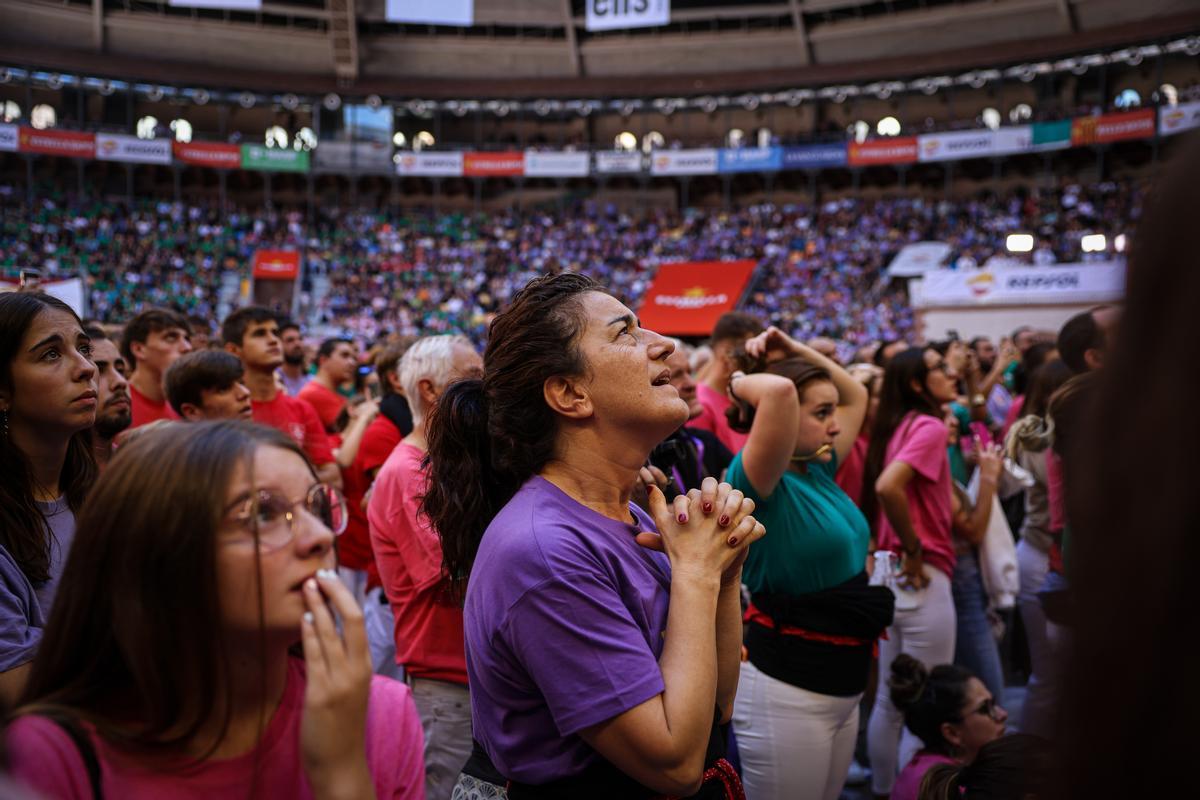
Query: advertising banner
[540, 164]
[132, 150]
[1066, 283]
[58, 143]
[276, 265]
[956, 145]
[750, 159]
[609, 15]
[70, 290]
[1171, 119]
[1051, 135]
[482, 165]
[1017, 139]
[457, 13]
[273, 159]
[1113, 127]
[364, 157]
[901, 150]
[10, 138]
[209, 154]
[686, 298]
[815, 156]
[224, 5]
[684, 162]
[618, 163]
[918, 258]
[433, 165]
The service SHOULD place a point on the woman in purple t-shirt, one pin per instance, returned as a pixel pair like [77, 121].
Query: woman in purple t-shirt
[47, 409]
[907, 463]
[596, 663]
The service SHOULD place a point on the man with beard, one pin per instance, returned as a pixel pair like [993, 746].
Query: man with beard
[294, 369]
[113, 411]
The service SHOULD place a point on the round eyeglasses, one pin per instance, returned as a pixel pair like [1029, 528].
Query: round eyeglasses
[272, 517]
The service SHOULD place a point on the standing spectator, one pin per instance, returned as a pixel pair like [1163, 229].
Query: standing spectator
[728, 336]
[294, 368]
[252, 334]
[337, 362]
[151, 343]
[394, 421]
[112, 387]
[208, 385]
[48, 404]
[1086, 338]
[428, 618]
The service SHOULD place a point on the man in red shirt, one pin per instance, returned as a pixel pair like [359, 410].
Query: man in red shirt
[731, 332]
[207, 385]
[337, 361]
[395, 417]
[428, 620]
[252, 334]
[151, 343]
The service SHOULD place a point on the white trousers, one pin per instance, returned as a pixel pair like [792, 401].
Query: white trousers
[793, 744]
[1046, 644]
[927, 634]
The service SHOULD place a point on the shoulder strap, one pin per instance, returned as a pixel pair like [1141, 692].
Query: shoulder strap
[87, 752]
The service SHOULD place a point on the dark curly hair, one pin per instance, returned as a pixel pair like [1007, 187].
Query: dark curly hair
[928, 698]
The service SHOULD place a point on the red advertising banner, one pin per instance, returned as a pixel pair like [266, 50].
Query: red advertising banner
[482, 165]
[902, 150]
[57, 143]
[209, 154]
[1113, 127]
[688, 297]
[276, 265]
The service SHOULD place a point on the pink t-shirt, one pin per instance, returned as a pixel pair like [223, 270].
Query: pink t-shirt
[920, 442]
[43, 757]
[713, 418]
[908, 782]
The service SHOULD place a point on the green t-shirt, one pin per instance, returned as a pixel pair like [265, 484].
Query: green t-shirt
[816, 537]
[959, 470]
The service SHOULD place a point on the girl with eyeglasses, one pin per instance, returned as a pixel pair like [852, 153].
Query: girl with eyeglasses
[949, 710]
[908, 466]
[194, 650]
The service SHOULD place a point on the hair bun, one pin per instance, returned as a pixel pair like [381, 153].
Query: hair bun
[907, 682]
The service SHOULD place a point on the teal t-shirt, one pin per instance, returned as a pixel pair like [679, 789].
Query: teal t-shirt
[816, 537]
[959, 469]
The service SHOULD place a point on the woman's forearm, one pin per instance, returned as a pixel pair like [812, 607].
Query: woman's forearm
[895, 508]
[689, 668]
[729, 645]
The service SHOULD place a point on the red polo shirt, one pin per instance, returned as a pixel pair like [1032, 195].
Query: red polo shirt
[297, 419]
[144, 410]
[326, 402]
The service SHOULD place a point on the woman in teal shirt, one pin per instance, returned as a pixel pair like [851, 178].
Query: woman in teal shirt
[813, 619]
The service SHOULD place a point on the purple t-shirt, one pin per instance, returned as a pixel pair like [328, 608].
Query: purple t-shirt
[21, 617]
[61, 520]
[564, 620]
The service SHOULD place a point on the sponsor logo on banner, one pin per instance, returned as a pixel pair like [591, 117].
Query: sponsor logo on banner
[1065, 283]
[481, 165]
[10, 138]
[902, 150]
[618, 162]
[608, 15]
[273, 159]
[687, 298]
[540, 164]
[750, 159]
[1112, 127]
[814, 156]
[209, 154]
[58, 143]
[457, 13]
[276, 265]
[132, 150]
[952, 146]
[1171, 119]
[433, 165]
[1051, 135]
[684, 162]
[1017, 139]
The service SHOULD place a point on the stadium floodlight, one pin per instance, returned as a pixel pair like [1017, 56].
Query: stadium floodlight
[1019, 243]
[1093, 243]
[1119, 243]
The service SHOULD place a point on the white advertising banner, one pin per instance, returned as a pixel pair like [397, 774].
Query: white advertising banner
[618, 163]
[611, 15]
[1069, 283]
[459, 13]
[918, 258]
[132, 150]
[540, 164]
[10, 139]
[1017, 139]
[954, 146]
[1171, 119]
[684, 162]
[71, 291]
[231, 5]
[432, 165]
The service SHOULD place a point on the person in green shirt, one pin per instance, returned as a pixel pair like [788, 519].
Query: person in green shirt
[813, 618]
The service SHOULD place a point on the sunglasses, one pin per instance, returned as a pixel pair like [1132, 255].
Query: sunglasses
[272, 517]
[989, 708]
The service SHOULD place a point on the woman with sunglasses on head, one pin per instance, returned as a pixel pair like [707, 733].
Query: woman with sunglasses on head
[814, 619]
[908, 466]
[170, 667]
[48, 405]
[949, 710]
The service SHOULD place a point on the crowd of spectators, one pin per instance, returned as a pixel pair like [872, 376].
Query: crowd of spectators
[821, 268]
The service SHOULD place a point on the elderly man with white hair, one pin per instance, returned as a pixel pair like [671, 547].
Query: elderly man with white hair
[428, 619]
